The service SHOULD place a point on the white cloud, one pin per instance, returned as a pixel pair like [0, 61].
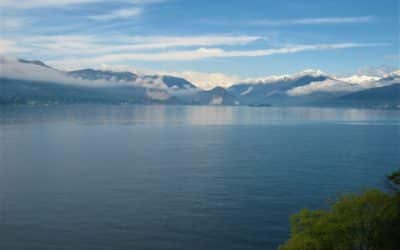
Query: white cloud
[12, 68]
[378, 71]
[29, 4]
[285, 77]
[9, 46]
[60, 43]
[90, 50]
[203, 53]
[11, 23]
[247, 91]
[345, 84]
[216, 100]
[157, 94]
[67, 45]
[118, 14]
[329, 85]
[314, 21]
[298, 21]
[359, 79]
[25, 4]
[205, 80]
[162, 42]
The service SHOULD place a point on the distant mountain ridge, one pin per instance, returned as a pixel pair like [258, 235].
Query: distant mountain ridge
[91, 74]
[275, 92]
[215, 96]
[177, 82]
[383, 97]
[35, 62]
[26, 82]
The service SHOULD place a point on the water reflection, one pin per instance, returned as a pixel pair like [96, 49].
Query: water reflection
[176, 177]
[194, 115]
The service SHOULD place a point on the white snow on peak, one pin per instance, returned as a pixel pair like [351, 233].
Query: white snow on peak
[247, 91]
[286, 77]
[216, 100]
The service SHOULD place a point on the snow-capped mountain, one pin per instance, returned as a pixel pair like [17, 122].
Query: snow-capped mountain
[215, 96]
[91, 74]
[273, 90]
[306, 88]
[24, 81]
[38, 71]
[158, 81]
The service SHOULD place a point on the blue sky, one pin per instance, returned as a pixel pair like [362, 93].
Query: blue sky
[232, 39]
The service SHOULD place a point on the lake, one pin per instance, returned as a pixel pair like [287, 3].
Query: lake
[180, 177]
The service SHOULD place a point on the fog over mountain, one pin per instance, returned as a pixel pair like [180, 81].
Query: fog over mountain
[21, 69]
[309, 87]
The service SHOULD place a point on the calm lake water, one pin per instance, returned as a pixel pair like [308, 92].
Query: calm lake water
[174, 177]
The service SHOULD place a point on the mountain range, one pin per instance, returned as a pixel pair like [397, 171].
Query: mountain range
[34, 82]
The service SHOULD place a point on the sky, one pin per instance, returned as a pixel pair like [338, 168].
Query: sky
[208, 42]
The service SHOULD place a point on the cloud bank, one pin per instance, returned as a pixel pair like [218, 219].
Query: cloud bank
[346, 84]
[12, 68]
[15, 69]
[203, 53]
[89, 45]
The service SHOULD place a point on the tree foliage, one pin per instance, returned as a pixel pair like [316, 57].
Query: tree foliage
[370, 221]
[394, 180]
